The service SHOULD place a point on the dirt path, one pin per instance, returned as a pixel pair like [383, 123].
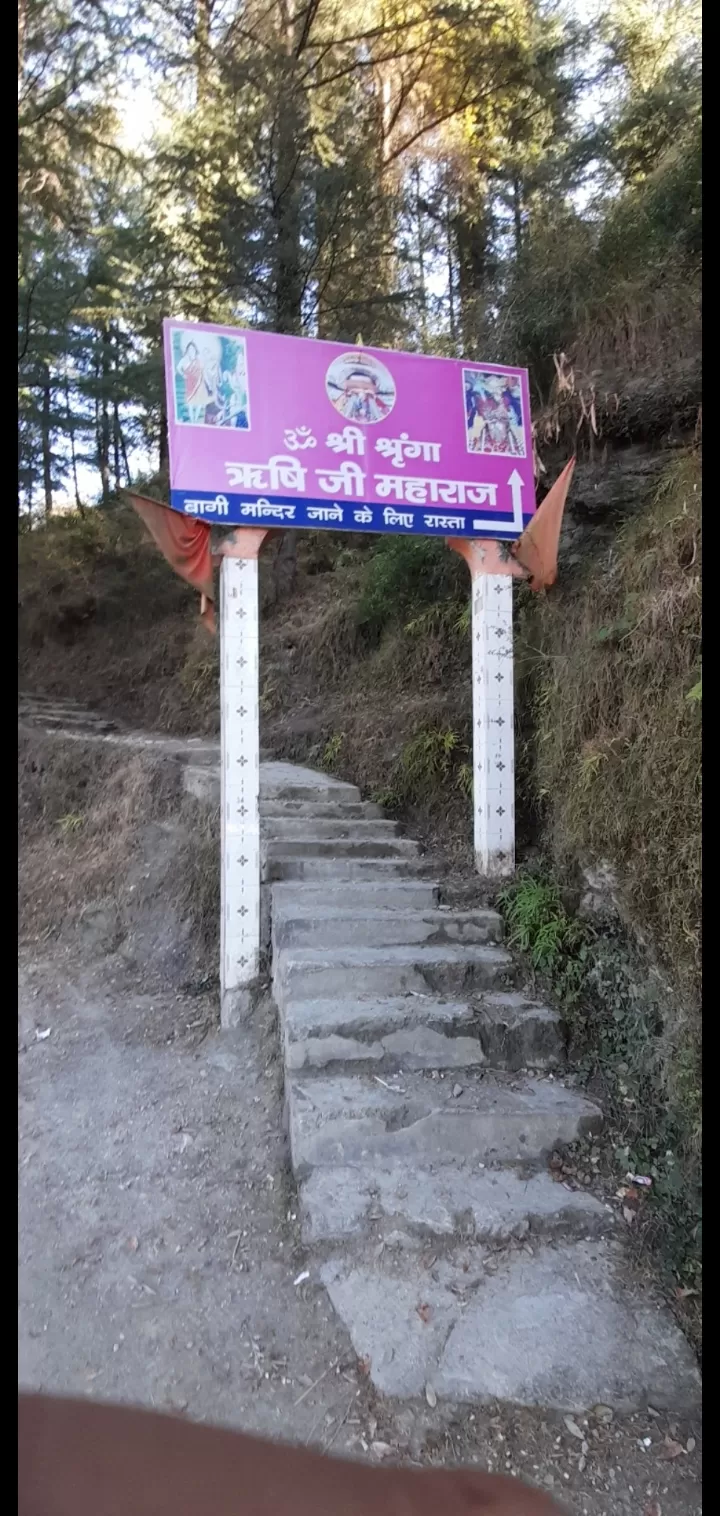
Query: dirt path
[159, 1252]
[158, 1257]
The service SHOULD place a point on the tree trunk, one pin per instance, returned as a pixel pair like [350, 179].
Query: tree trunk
[73, 454]
[203, 15]
[291, 130]
[98, 443]
[46, 428]
[286, 214]
[286, 209]
[518, 216]
[474, 264]
[104, 437]
[116, 444]
[450, 275]
[203, 177]
[22, 28]
[123, 452]
[421, 260]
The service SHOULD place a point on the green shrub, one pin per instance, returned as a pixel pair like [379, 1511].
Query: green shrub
[637, 1054]
[404, 575]
[540, 926]
[432, 764]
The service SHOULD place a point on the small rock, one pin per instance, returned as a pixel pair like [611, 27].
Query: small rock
[457, 1090]
[603, 1413]
[430, 1396]
[670, 1449]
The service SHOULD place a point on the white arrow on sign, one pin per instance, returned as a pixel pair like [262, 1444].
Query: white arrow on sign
[517, 485]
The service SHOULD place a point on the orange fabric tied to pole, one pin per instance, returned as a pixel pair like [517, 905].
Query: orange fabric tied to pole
[537, 549]
[186, 545]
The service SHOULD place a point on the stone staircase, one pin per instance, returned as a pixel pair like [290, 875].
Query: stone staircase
[425, 1091]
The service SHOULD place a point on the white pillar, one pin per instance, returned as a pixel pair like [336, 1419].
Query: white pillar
[493, 717]
[239, 785]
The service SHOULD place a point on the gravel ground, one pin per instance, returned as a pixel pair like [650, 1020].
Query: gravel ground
[160, 1260]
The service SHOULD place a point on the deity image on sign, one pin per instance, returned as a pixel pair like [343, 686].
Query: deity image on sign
[360, 388]
[210, 379]
[494, 413]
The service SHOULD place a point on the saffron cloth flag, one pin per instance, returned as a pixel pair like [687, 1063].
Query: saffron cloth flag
[537, 549]
[186, 545]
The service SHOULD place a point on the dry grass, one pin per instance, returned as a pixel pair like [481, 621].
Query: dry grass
[101, 617]
[110, 844]
[197, 878]
[81, 814]
[612, 664]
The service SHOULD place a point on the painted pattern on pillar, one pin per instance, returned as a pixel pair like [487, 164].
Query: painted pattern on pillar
[493, 716]
[240, 786]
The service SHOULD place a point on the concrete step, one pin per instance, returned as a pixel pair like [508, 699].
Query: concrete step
[348, 829]
[368, 1020]
[421, 1032]
[30, 702]
[328, 810]
[53, 715]
[77, 720]
[516, 1032]
[307, 973]
[357, 894]
[557, 1326]
[351, 1119]
[310, 845]
[288, 781]
[337, 871]
[417, 1047]
[490, 1205]
[47, 705]
[294, 923]
[281, 784]
[202, 749]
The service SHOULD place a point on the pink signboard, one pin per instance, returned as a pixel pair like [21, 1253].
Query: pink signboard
[286, 431]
